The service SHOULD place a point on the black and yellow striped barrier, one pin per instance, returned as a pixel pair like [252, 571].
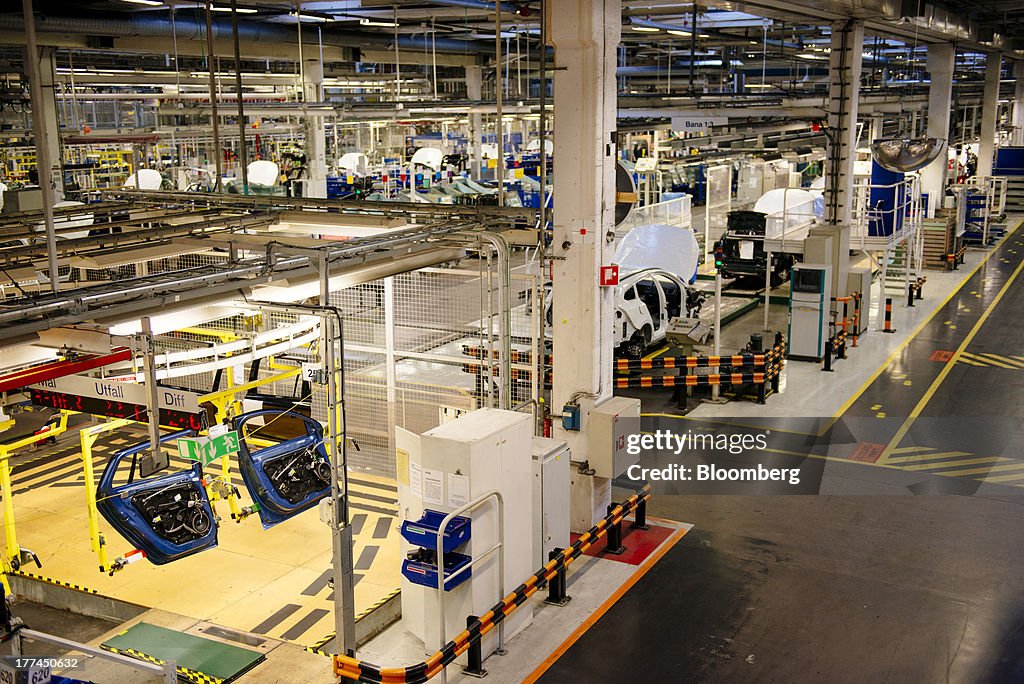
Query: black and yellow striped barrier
[668, 362]
[515, 355]
[357, 670]
[522, 374]
[194, 676]
[647, 381]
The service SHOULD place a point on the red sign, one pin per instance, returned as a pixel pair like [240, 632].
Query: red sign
[609, 275]
[867, 452]
[941, 355]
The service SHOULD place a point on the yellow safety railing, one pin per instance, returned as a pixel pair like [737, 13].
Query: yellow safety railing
[12, 557]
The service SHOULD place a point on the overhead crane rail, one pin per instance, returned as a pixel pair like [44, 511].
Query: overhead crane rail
[391, 209]
[24, 316]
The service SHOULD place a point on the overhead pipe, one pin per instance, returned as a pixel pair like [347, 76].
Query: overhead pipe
[488, 7]
[189, 28]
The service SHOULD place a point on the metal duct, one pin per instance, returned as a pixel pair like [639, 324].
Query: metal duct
[189, 27]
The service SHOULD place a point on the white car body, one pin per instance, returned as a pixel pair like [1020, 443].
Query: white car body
[645, 301]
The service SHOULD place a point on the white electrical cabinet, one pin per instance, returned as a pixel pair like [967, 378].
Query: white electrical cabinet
[608, 426]
[550, 498]
[446, 468]
[810, 301]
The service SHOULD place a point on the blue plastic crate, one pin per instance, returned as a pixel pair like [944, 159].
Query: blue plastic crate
[423, 532]
[425, 574]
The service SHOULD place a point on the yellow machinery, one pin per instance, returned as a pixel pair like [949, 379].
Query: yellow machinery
[219, 488]
[14, 555]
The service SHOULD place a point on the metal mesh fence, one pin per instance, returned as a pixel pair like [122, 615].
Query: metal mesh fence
[423, 347]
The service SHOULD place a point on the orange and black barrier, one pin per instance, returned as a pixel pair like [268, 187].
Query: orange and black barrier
[517, 374]
[648, 381]
[349, 667]
[669, 362]
[888, 316]
[856, 316]
[955, 259]
[915, 291]
[515, 355]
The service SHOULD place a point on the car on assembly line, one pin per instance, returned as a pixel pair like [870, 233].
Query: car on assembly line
[645, 301]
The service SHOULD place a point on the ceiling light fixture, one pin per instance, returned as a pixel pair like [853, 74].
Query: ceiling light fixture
[645, 29]
[312, 17]
[679, 32]
[240, 10]
[374, 22]
[149, 3]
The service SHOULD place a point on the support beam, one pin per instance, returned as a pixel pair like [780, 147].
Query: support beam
[316, 136]
[585, 35]
[40, 134]
[989, 113]
[474, 91]
[941, 57]
[1018, 104]
[845, 61]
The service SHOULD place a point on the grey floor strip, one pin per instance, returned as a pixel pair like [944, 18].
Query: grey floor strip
[275, 619]
[358, 520]
[382, 528]
[318, 584]
[370, 483]
[366, 557]
[305, 623]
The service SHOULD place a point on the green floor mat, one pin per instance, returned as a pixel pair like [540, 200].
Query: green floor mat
[197, 659]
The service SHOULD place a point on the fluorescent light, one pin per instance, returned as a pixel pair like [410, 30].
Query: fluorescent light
[311, 17]
[150, 3]
[240, 10]
[759, 85]
[374, 22]
[645, 29]
[679, 32]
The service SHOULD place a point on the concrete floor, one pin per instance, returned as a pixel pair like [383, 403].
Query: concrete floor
[811, 589]
[857, 588]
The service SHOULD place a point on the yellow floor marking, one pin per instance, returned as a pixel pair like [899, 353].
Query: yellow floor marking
[1004, 359]
[944, 372]
[978, 471]
[885, 364]
[656, 354]
[1003, 478]
[954, 464]
[880, 414]
[988, 361]
[971, 363]
[910, 449]
[876, 407]
[928, 457]
[878, 372]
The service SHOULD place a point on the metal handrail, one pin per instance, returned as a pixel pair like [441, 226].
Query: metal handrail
[168, 669]
[499, 547]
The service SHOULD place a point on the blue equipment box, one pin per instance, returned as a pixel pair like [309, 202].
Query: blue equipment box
[425, 574]
[423, 532]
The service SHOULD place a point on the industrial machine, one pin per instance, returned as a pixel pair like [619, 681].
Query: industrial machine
[740, 251]
[286, 478]
[810, 300]
[167, 517]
